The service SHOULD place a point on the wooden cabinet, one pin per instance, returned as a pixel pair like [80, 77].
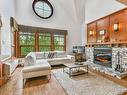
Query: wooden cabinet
[103, 30]
[91, 32]
[120, 19]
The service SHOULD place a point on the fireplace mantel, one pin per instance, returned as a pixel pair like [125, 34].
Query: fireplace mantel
[108, 43]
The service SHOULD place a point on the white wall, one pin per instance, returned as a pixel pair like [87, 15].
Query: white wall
[84, 33]
[64, 17]
[6, 11]
[96, 9]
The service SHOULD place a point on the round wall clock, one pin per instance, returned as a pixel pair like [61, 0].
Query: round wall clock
[42, 8]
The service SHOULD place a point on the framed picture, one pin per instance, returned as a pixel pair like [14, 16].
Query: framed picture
[102, 32]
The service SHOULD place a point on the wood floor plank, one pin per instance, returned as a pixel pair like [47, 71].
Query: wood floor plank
[35, 86]
[40, 85]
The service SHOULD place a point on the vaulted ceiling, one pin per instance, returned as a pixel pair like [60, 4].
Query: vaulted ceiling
[74, 8]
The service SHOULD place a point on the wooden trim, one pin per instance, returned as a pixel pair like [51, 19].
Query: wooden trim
[36, 46]
[17, 50]
[36, 42]
[64, 42]
[42, 30]
[106, 43]
[14, 43]
[44, 45]
[52, 42]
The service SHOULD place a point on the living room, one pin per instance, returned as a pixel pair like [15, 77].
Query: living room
[45, 43]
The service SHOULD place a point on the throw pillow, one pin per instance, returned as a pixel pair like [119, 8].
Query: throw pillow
[61, 54]
[46, 55]
[51, 55]
[40, 55]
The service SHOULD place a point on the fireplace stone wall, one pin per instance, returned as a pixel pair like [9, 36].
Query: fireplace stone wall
[123, 53]
[89, 54]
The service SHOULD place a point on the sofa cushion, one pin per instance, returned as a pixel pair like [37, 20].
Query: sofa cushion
[61, 54]
[29, 61]
[41, 61]
[65, 59]
[13, 63]
[40, 55]
[40, 66]
[32, 54]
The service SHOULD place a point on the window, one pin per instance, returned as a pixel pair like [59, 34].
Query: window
[26, 42]
[59, 42]
[38, 40]
[44, 42]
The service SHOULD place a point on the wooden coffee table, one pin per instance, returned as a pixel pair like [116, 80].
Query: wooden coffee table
[74, 69]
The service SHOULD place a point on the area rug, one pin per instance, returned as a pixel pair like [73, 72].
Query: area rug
[87, 84]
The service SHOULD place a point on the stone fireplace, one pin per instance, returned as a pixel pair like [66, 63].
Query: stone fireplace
[104, 59]
[103, 56]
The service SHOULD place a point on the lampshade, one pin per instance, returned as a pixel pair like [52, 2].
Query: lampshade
[122, 1]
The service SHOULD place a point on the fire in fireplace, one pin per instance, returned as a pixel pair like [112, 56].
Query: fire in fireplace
[103, 56]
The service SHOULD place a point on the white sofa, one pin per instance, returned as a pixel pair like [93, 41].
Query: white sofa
[10, 66]
[39, 63]
[59, 57]
[32, 69]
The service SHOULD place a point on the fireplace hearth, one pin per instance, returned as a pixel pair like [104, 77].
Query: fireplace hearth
[103, 56]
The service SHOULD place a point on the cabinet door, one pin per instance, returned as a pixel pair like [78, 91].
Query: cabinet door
[103, 30]
[120, 19]
[91, 32]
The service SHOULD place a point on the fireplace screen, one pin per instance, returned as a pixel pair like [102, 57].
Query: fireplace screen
[103, 56]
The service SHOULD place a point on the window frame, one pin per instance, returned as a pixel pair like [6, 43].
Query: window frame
[17, 46]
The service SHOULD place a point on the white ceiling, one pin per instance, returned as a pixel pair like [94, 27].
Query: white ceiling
[74, 8]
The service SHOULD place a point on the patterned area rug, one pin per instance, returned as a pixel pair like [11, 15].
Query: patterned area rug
[87, 84]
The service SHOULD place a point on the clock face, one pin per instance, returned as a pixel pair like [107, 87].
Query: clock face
[43, 8]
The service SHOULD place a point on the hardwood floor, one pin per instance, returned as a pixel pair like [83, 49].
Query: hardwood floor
[122, 82]
[40, 86]
[36, 86]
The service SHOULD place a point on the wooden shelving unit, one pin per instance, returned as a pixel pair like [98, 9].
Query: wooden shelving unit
[124, 43]
[102, 30]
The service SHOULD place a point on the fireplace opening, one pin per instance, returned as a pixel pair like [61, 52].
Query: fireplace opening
[103, 56]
